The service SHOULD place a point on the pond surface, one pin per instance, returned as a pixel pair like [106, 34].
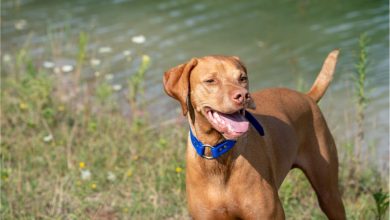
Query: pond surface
[283, 43]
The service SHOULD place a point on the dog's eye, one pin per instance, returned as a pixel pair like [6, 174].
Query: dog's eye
[243, 78]
[210, 81]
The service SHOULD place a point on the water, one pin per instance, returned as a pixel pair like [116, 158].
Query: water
[282, 43]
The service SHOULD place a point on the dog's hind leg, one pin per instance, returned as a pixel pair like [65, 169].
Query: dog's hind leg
[319, 162]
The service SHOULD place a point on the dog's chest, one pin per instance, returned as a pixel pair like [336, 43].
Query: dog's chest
[229, 201]
[213, 201]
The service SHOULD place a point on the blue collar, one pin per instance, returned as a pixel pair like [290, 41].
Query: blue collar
[224, 146]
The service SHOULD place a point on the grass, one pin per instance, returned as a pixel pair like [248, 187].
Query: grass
[63, 161]
[42, 177]
[360, 80]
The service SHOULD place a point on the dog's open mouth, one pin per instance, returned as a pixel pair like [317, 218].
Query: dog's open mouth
[231, 126]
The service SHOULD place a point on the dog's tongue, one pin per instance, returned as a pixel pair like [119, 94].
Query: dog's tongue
[230, 125]
[237, 122]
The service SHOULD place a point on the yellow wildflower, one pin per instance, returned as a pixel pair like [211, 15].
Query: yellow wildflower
[61, 108]
[81, 165]
[129, 173]
[93, 185]
[179, 169]
[145, 59]
[23, 106]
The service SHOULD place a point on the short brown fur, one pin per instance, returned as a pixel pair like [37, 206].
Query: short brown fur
[244, 183]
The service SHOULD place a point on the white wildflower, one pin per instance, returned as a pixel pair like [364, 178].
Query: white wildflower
[109, 77]
[20, 24]
[95, 62]
[48, 138]
[140, 39]
[85, 174]
[48, 64]
[126, 53]
[67, 68]
[97, 74]
[117, 87]
[6, 58]
[105, 50]
[111, 176]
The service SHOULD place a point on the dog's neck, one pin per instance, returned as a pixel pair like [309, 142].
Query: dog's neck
[203, 130]
[200, 126]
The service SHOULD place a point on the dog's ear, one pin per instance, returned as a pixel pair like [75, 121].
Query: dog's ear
[177, 82]
[239, 62]
[236, 58]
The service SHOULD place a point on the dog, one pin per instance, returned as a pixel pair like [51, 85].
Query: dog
[287, 131]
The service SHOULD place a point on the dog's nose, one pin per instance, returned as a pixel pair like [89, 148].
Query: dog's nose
[239, 96]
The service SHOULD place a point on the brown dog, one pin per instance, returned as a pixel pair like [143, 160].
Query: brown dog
[243, 183]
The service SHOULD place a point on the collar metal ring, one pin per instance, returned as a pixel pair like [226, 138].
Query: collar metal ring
[204, 155]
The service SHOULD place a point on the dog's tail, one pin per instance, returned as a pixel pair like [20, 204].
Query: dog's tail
[324, 77]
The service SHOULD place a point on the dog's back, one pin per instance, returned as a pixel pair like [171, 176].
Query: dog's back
[291, 120]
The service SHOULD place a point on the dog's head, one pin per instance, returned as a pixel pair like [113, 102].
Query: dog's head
[216, 87]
